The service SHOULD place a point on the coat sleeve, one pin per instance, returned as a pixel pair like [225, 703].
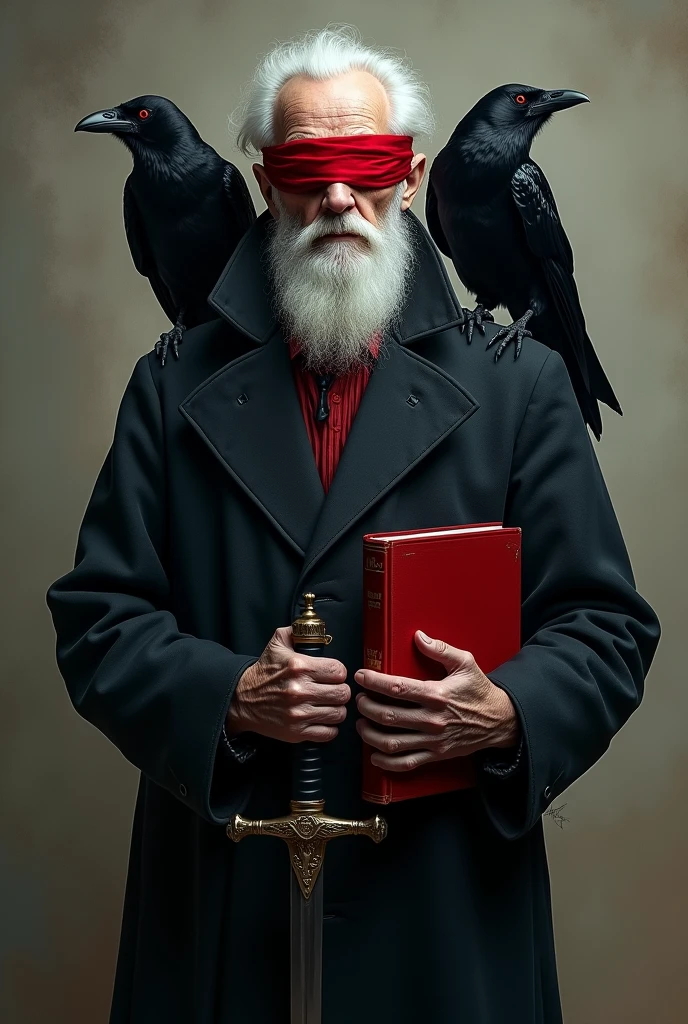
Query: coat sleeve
[588, 637]
[160, 695]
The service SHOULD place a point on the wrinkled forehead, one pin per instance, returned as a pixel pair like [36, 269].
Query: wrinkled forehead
[350, 104]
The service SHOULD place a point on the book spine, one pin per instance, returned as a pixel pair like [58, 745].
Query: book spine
[376, 573]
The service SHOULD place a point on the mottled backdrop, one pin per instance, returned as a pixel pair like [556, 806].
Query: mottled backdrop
[76, 316]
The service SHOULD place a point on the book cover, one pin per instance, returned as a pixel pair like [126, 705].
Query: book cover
[461, 584]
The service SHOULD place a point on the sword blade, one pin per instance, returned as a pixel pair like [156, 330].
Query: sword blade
[306, 953]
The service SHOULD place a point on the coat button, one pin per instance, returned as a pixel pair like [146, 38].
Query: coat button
[547, 792]
[182, 789]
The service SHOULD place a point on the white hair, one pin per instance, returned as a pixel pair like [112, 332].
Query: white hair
[322, 55]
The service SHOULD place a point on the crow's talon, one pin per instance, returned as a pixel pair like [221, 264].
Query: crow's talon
[174, 337]
[517, 330]
[474, 318]
[519, 335]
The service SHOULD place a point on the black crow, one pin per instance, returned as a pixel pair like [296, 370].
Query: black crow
[490, 209]
[185, 208]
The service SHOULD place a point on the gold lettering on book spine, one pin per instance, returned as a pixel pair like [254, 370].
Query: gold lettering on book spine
[373, 560]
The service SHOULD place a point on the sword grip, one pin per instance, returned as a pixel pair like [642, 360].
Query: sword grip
[307, 781]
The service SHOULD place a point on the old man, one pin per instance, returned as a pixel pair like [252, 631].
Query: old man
[246, 473]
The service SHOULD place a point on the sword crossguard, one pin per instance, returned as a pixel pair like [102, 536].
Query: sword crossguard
[306, 831]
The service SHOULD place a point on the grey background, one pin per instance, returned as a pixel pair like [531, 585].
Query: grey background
[76, 316]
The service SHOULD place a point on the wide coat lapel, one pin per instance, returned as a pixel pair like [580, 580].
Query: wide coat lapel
[249, 414]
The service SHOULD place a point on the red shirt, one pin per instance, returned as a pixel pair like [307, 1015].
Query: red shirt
[344, 397]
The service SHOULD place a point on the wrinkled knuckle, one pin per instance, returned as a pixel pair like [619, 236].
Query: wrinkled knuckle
[398, 687]
[296, 664]
[390, 716]
[391, 744]
[294, 690]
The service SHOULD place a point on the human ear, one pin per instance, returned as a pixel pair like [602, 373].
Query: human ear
[414, 179]
[265, 188]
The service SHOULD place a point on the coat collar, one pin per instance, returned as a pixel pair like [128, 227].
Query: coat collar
[249, 416]
[242, 294]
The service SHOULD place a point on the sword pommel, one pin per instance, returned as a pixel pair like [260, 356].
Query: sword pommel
[308, 627]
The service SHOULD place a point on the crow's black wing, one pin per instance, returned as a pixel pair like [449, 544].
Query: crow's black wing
[547, 240]
[432, 218]
[241, 209]
[535, 201]
[141, 252]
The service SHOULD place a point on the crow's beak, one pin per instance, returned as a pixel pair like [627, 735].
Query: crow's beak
[105, 121]
[556, 99]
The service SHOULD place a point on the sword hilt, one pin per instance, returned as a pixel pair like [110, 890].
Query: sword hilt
[307, 829]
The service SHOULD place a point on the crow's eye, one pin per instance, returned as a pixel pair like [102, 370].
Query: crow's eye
[520, 99]
[143, 114]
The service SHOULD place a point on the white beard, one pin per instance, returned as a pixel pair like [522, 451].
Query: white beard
[333, 296]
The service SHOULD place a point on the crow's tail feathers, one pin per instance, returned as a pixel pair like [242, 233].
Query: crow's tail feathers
[599, 382]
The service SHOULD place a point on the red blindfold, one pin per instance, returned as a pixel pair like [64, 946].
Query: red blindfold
[362, 161]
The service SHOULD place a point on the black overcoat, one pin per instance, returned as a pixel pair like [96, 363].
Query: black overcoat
[207, 523]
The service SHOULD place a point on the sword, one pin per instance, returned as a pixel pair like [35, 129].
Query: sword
[306, 830]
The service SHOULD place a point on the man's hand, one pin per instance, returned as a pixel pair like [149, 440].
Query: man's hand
[289, 696]
[458, 715]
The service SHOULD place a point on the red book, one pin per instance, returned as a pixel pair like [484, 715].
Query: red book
[461, 584]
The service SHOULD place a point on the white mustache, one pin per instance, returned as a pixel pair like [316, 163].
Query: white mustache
[337, 224]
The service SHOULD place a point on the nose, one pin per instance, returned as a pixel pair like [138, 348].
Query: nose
[338, 198]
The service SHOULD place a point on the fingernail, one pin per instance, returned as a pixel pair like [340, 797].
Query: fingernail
[359, 676]
[423, 636]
